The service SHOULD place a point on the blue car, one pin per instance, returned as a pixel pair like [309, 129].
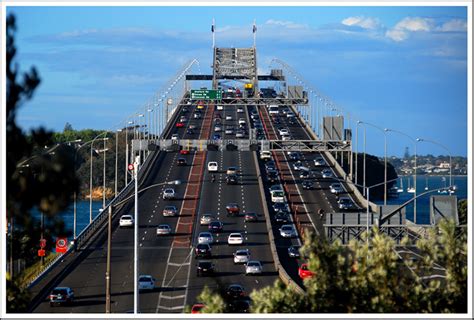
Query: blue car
[216, 136]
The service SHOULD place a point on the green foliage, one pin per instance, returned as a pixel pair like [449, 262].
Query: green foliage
[462, 211]
[276, 299]
[213, 301]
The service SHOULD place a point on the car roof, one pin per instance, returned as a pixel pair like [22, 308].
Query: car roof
[205, 233]
[235, 234]
[163, 226]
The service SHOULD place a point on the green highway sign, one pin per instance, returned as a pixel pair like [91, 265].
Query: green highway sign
[206, 94]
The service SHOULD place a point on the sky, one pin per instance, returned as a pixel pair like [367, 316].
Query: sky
[403, 68]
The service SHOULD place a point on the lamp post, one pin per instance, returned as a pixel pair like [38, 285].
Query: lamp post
[90, 176]
[139, 135]
[360, 122]
[116, 158]
[414, 169]
[126, 152]
[449, 152]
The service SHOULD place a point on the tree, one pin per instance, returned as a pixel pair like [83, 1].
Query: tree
[35, 178]
[213, 301]
[462, 211]
[67, 127]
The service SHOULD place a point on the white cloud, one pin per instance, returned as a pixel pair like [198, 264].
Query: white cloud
[454, 25]
[366, 23]
[401, 31]
[286, 24]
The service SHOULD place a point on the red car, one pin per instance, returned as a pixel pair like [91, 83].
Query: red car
[197, 308]
[304, 272]
[232, 209]
[184, 151]
[179, 125]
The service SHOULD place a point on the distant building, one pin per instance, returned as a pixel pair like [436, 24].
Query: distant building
[444, 165]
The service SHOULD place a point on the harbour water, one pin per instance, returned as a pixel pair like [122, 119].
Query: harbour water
[424, 184]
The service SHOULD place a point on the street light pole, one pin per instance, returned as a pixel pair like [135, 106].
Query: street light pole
[135, 247]
[107, 272]
[103, 188]
[116, 159]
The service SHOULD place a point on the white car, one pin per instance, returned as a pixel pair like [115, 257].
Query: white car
[220, 107]
[217, 128]
[287, 231]
[231, 170]
[163, 229]
[240, 110]
[174, 136]
[212, 166]
[253, 267]
[319, 161]
[285, 138]
[228, 117]
[126, 221]
[205, 237]
[242, 121]
[290, 114]
[169, 194]
[146, 282]
[235, 238]
[206, 219]
[283, 132]
[273, 109]
[278, 196]
[265, 155]
[241, 256]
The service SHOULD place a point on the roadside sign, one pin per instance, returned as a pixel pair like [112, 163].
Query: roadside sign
[61, 245]
[206, 94]
[131, 166]
[41, 253]
[42, 243]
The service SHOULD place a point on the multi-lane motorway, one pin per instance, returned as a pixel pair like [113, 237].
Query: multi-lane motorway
[170, 258]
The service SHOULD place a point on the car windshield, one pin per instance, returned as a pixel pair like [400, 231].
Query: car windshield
[59, 291]
[253, 264]
[144, 279]
[126, 218]
[241, 253]
[286, 228]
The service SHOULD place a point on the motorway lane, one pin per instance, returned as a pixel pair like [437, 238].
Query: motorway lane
[87, 278]
[246, 194]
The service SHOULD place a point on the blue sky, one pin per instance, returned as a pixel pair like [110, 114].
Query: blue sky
[403, 68]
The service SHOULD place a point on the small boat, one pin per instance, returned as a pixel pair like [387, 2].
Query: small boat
[446, 191]
[400, 189]
[410, 189]
[426, 182]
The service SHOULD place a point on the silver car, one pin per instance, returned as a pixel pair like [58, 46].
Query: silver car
[205, 237]
[319, 161]
[241, 256]
[206, 219]
[163, 229]
[169, 194]
[217, 128]
[253, 267]
[326, 173]
[287, 231]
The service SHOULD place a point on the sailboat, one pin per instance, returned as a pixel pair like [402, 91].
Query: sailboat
[410, 189]
[446, 191]
[426, 182]
[400, 189]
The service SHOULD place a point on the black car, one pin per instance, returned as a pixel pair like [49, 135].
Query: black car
[232, 179]
[281, 207]
[272, 176]
[181, 162]
[185, 109]
[295, 156]
[250, 217]
[234, 292]
[307, 184]
[204, 267]
[189, 131]
[203, 250]
[304, 174]
[294, 251]
[282, 217]
[216, 226]
[270, 164]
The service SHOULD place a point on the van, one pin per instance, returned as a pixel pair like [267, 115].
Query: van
[212, 166]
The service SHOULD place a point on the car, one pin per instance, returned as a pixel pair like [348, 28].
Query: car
[219, 107]
[295, 156]
[287, 231]
[326, 173]
[254, 115]
[319, 161]
[204, 267]
[336, 188]
[265, 155]
[297, 165]
[229, 130]
[217, 115]
[203, 250]
[240, 134]
[181, 162]
[126, 221]
[169, 194]
[228, 117]
[170, 211]
[275, 187]
[284, 132]
[234, 291]
[240, 110]
[270, 164]
[196, 308]
[241, 256]
[232, 209]
[282, 217]
[60, 295]
[281, 207]
[307, 184]
[217, 121]
[345, 203]
[294, 251]
[184, 151]
[231, 170]
[273, 110]
[216, 136]
[205, 237]
[163, 229]
[253, 267]
[235, 238]
[216, 226]
[272, 176]
[179, 125]
[276, 119]
[278, 196]
[290, 114]
[304, 272]
[183, 119]
[304, 174]
[242, 121]
[197, 115]
[258, 125]
[192, 126]
[218, 128]
[291, 120]
[250, 217]
[185, 110]
[146, 282]
[212, 166]
[232, 179]
[200, 106]
[174, 136]
[206, 219]
[189, 131]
